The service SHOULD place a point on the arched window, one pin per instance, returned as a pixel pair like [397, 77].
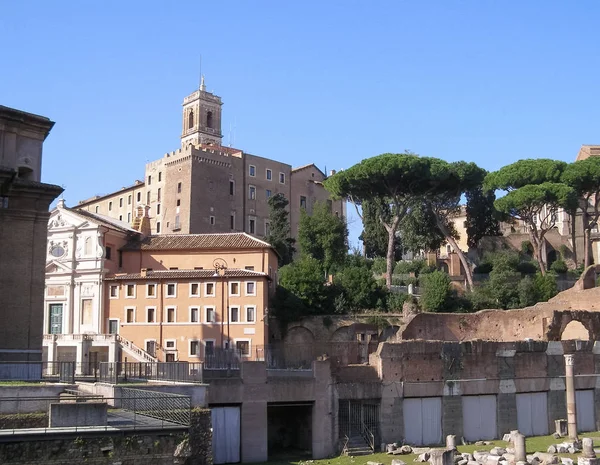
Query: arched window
[209, 119]
[191, 119]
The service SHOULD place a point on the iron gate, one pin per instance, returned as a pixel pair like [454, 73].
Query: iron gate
[66, 372]
[355, 415]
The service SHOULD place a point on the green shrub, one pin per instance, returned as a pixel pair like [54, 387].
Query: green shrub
[484, 268]
[559, 266]
[545, 286]
[526, 248]
[436, 291]
[395, 301]
[527, 268]
[379, 265]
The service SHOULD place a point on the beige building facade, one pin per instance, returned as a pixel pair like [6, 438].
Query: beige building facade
[184, 297]
[205, 187]
[24, 203]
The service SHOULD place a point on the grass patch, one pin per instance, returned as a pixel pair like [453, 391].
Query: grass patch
[20, 383]
[533, 444]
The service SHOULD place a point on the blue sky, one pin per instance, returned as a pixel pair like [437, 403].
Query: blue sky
[330, 82]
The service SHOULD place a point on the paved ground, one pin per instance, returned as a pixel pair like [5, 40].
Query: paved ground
[118, 420]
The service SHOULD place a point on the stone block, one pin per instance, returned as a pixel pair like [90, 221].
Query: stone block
[400, 462]
[587, 461]
[441, 457]
[67, 414]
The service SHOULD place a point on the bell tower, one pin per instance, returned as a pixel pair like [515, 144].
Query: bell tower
[201, 118]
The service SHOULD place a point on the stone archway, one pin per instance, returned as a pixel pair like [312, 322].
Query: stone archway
[299, 335]
[343, 334]
[575, 330]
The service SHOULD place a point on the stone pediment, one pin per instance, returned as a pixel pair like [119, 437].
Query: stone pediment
[54, 266]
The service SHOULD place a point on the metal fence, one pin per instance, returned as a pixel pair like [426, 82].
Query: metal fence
[183, 372]
[172, 408]
[65, 372]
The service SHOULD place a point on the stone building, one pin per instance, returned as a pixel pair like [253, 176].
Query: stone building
[24, 202]
[82, 249]
[205, 187]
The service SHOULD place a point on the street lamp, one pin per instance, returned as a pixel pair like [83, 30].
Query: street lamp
[220, 266]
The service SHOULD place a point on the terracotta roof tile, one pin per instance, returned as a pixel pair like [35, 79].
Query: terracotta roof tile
[187, 274]
[198, 241]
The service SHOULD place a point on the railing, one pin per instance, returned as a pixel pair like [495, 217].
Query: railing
[224, 359]
[135, 350]
[183, 372]
[172, 408]
[368, 436]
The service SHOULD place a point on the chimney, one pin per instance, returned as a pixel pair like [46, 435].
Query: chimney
[144, 272]
[141, 222]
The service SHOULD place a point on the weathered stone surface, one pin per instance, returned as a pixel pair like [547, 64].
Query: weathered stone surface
[587, 445]
[441, 457]
[398, 462]
[498, 451]
[510, 458]
[374, 463]
[507, 437]
[451, 441]
[462, 462]
[566, 461]
[492, 460]
[587, 461]
[480, 456]
[545, 458]
[390, 448]
[551, 450]
[406, 450]
[424, 457]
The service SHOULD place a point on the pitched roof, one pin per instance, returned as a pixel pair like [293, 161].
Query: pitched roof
[198, 241]
[300, 168]
[103, 220]
[187, 274]
[97, 198]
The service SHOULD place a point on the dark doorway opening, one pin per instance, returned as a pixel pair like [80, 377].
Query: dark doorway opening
[289, 430]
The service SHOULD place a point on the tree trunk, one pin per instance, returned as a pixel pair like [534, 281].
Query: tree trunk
[573, 238]
[587, 238]
[391, 229]
[536, 243]
[461, 255]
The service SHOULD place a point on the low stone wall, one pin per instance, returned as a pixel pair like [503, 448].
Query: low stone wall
[192, 447]
[66, 414]
[23, 420]
[29, 398]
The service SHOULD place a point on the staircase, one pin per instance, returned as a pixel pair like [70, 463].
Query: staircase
[139, 354]
[355, 446]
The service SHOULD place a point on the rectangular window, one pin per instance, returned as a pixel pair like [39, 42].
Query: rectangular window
[148, 197]
[209, 348]
[251, 192]
[130, 291]
[151, 347]
[158, 227]
[234, 314]
[210, 314]
[243, 347]
[121, 202]
[120, 217]
[303, 202]
[268, 193]
[130, 315]
[170, 343]
[194, 315]
[114, 291]
[178, 203]
[158, 192]
[149, 180]
[249, 268]
[139, 197]
[234, 288]
[87, 314]
[252, 226]
[212, 220]
[232, 222]
[252, 170]
[194, 348]
[194, 289]
[109, 206]
[159, 176]
[129, 217]
[150, 290]
[150, 315]
[282, 178]
[171, 290]
[267, 228]
[158, 208]
[250, 288]
[129, 200]
[209, 289]
[250, 314]
[179, 188]
[177, 225]
[269, 175]
[231, 187]
[113, 326]
[171, 315]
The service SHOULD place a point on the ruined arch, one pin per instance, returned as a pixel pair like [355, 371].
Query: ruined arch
[299, 335]
[575, 330]
[343, 334]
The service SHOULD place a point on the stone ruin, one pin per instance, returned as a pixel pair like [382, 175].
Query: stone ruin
[514, 454]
